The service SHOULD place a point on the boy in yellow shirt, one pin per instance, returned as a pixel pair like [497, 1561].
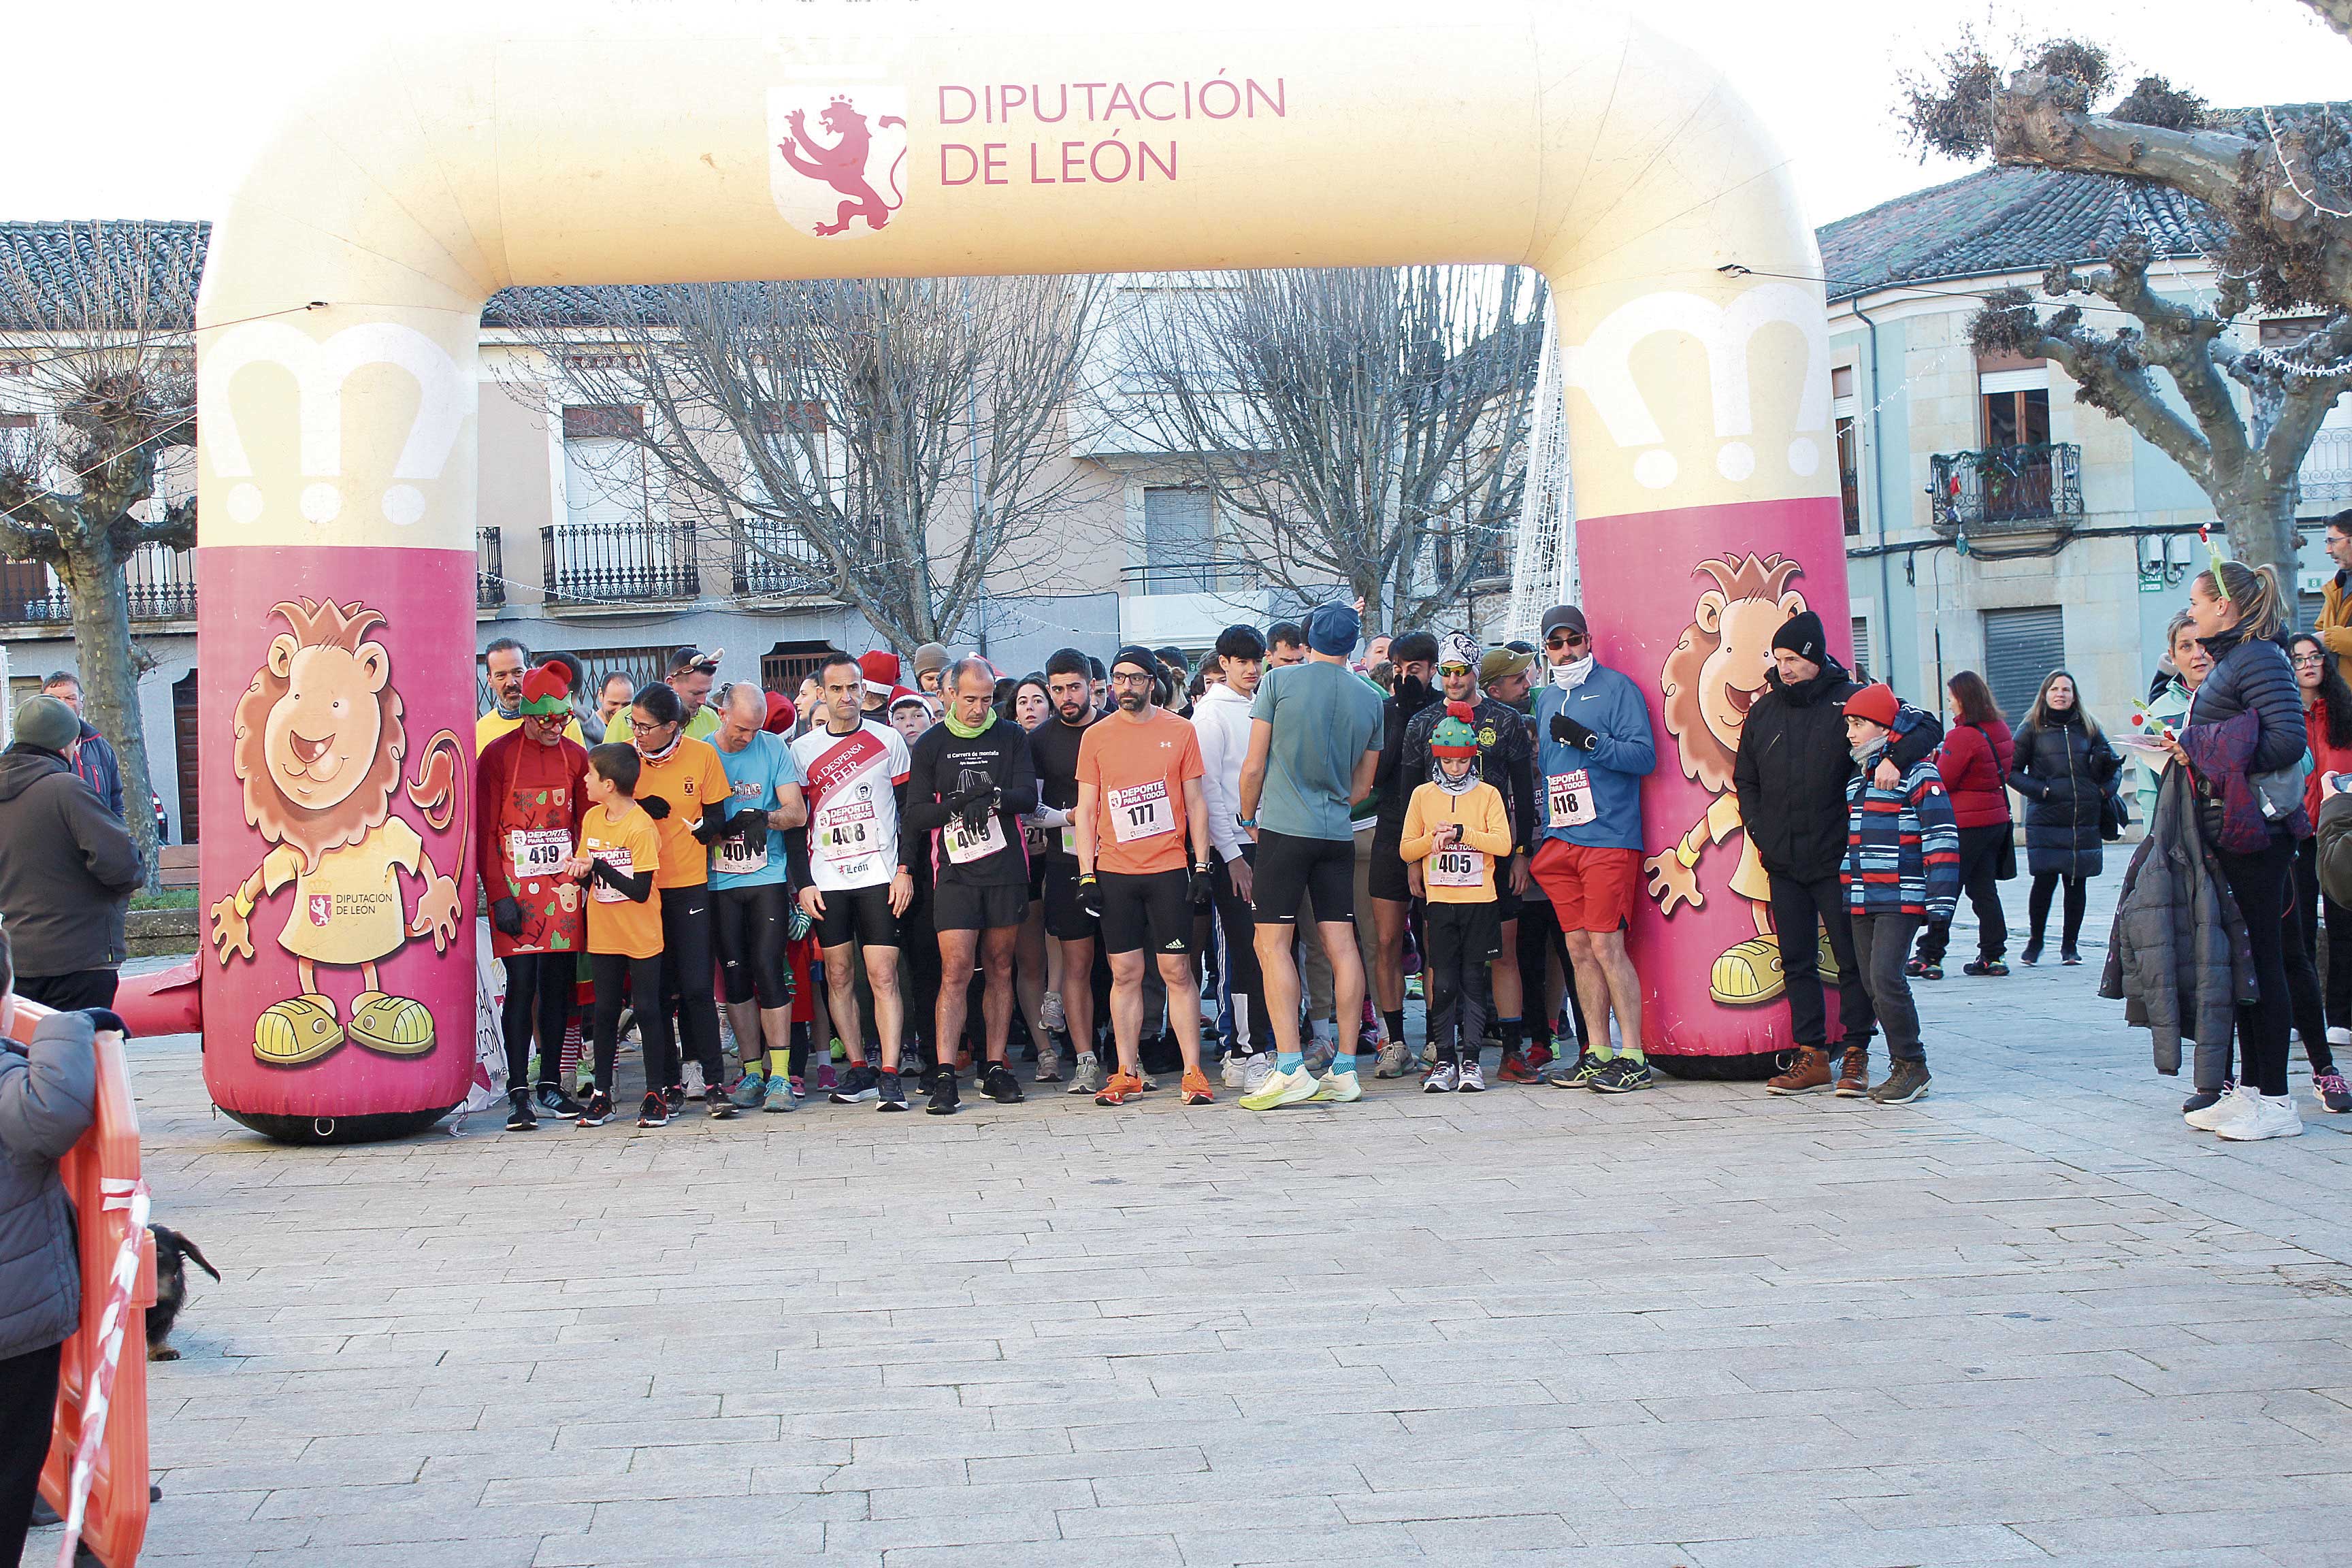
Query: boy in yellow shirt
[1454, 827]
[620, 850]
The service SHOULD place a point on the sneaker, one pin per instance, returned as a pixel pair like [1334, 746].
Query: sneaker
[1255, 1070]
[1516, 1069]
[2202, 1099]
[1281, 1088]
[749, 1091]
[718, 1103]
[1622, 1074]
[1906, 1081]
[800, 1088]
[1578, 1074]
[1916, 968]
[1931, 971]
[1469, 1077]
[1810, 1072]
[945, 1092]
[598, 1109]
[676, 1095]
[2068, 957]
[1853, 1073]
[2270, 1118]
[555, 1102]
[840, 1052]
[1442, 1078]
[2330, 1090]
[1049, 1060]
[1338, 1089]
[1990, 968]
[1234, 1069]
[654, 1112]
[1392, 1061]
[999, 1084]
[782, 1094]
[1196, 1090]
[1086, 1077]
[520, 1116]
[2238, 1104]
[1320, 1055]
[2030, 953]
[826, 1079]
[1119, 1089]
[1538, 1058]
[858, 1085]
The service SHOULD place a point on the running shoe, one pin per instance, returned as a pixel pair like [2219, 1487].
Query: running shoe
[1394, 1059]
[654, 1112]
[749, 1091]
[1234, 1073]
[889, 1090]
[1338, 1089]
[1320, 1056]
[1256, 1069]
[715, 1101]
[826, 1079]
[1442, 1078]
[2328, 1087]
[1538, 1058]
[800, 1088]
[2069, 957]
[999, 1084]
[1049, 1013]
[2241, 1104]
[1196, 1090]
[858, 1085]
[1120, 1088]
[676, 1095]
[1906, 1081]
[520, 1117]
[597, 1112]
[1985, 968]
[1049, 1060]
[1622, 1074]
[784, 1094]
[2272, 1116]
[840, 1051]
[943, 1090]
[1517, 1069]
[555, 1102]
[1282, 1089]
[1471, 1080]
[1578, 1075]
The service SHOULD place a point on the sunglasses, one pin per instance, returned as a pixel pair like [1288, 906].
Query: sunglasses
[1566, 639]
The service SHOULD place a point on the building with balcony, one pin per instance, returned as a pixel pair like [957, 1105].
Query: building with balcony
[1994, 522]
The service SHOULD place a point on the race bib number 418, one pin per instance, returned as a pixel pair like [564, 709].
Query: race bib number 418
[1569, 796]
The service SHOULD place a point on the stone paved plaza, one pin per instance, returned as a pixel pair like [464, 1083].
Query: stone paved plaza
[2031, 1318]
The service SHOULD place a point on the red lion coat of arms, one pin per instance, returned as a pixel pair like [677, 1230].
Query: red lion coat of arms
[836, 157]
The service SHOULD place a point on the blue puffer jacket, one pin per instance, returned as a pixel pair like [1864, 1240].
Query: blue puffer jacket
[2252, 675]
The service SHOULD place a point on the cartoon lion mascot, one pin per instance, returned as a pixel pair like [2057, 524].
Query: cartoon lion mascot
[1714, 676]
[319, 748]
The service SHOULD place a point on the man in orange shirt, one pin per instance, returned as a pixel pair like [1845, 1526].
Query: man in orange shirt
[683, 786]
[1140, 804]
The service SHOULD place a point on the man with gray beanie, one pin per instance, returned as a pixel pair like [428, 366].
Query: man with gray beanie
[71, 868]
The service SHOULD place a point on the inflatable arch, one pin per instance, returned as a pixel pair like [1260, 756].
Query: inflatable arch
[338, 390]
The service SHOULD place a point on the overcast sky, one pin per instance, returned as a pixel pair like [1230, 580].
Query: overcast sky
[148, 109]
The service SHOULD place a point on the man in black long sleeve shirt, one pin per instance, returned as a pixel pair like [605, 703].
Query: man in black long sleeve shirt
[971, 782]
[1415, 656]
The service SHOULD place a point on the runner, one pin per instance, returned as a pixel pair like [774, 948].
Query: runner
[880, 671]
[1456, 826]
[1593, 748]
[1414, 655]
[845, 862]
[1313, 741]
[971, 780]
[751, 905]
[1139, 805]
[1221, 722]
[682, 787]
[529, 790]
[618, 859]
[504, 664]
[688, 672]
[1053, 749]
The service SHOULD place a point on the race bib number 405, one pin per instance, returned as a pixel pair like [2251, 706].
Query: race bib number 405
[1139, 812]
[1569, 796]
[1457, 869]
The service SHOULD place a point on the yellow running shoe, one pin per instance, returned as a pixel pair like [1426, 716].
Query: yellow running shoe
[1282, 1089]
[1338, 1089]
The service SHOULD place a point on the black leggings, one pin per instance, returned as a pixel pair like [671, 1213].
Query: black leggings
[539, 985]
[618, 977]
[1241, 979]
[2313, 909]
[2037, 907]
[1539, 933]
[2258, 883]
[688, 977]
[1462, 942]
[750, 925]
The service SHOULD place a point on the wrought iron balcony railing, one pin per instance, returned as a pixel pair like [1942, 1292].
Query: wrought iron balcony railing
[160, 584]
[773, 560]
[617, 564]
[489, 570]
[1194, 577]
[2007, 487]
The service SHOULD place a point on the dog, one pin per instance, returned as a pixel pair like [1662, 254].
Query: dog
[172, 1252]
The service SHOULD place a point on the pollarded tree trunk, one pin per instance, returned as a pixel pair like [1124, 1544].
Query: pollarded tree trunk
[110, 685]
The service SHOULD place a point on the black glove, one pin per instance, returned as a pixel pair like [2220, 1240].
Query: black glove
[506, 917]
[1090, 896]
[752, 827]
[1568, 732]
[976, 811]
[655, 807]
[104, 1018]
[1205, 887]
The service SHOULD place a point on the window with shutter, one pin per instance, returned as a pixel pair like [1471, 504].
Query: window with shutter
[1864, 667]
[1179, 541]
[2021, 647]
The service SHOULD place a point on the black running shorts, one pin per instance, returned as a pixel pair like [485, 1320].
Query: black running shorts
[955, 907]
[1154, 910]
[857, 914]
[1291, 869]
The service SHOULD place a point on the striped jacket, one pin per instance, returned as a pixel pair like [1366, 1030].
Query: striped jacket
[1902, 850]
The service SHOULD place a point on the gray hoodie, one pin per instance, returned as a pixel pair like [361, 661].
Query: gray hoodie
[67, 867]
[48, 1097]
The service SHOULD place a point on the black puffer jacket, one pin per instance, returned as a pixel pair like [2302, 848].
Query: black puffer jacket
[2062, 771]
[1793, 766]
[2251, 675]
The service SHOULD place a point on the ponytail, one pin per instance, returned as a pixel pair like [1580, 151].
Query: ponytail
[2254, 590]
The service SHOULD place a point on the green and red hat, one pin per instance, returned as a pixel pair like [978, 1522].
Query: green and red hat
[548, 689]
[1456, 734]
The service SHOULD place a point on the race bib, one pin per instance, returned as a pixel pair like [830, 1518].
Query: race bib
[1141, 812]
[622, 863]
[737, 858]
[848, 833]
[537, 851]
[964, 846]
[1035, 839]
[1570, 798]
[1457, 869]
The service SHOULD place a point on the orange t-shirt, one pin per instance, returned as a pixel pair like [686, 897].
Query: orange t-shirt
[688, 778]
[1139, 768]
[617, 923]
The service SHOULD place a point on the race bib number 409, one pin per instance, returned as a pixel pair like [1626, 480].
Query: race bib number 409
[1568, 797]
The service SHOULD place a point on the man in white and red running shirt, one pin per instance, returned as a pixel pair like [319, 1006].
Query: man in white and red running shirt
[847, 865]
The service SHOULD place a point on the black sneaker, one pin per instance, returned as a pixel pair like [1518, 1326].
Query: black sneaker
[597, 1112]
[858, 1085]
[2202, 1099]
[1622, 1074]
[999, 1084]
[890, 1093]
[2069, 957]
[675, 1096]
[1985, 968]
[942, 1085]
[555, 1102]
[654, 1112]
[520, 1117]
[2030, 954]
[715, 1102]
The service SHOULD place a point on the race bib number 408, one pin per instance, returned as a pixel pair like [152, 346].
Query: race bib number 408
[1568, 797]
[1141, 811]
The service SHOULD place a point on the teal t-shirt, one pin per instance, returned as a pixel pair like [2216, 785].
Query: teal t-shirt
[754, 772]
[1325, 719]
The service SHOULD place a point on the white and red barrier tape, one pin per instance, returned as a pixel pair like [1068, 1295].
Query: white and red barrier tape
[100, 1390]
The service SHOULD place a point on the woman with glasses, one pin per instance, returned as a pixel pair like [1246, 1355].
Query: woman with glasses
[2323, 1020]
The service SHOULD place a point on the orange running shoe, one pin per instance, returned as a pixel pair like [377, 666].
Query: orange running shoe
[1196, 1089]
[1119, 1089]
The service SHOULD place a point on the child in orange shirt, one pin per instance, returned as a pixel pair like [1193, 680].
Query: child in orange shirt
[620, 850]
[1454, 827]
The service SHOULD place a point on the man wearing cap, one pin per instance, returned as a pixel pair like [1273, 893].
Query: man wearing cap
[94, 760]
[504, 664]
[1791, 774]
[529, 789]
[930, 660]
[1315, 736]
[1414, 656]
[71, 867]
[1593, 748]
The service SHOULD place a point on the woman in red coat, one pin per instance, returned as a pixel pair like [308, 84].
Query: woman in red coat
[2321, 1019]
[1974, 763]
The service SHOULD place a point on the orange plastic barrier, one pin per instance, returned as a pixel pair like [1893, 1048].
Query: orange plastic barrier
[101, 1174]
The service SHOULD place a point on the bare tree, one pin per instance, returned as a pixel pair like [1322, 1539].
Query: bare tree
[890, 442]
[103, 325]
[1364, 426]
[2277, 181]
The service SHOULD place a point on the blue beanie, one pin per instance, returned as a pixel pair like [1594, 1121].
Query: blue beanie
[1331, 630]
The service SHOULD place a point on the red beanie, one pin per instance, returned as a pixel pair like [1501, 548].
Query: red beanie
[880, 668]
[1875, 703]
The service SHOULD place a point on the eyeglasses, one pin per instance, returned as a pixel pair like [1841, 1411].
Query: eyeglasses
[1122, 678]
[1566, 639]
[2311, 658]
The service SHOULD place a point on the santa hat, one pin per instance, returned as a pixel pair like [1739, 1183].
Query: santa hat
[901, 695]
[547, 689]
[781, 715]
[880, 668]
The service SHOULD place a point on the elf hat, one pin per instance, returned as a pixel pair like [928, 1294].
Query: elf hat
[1456, 734]
[546, 689]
